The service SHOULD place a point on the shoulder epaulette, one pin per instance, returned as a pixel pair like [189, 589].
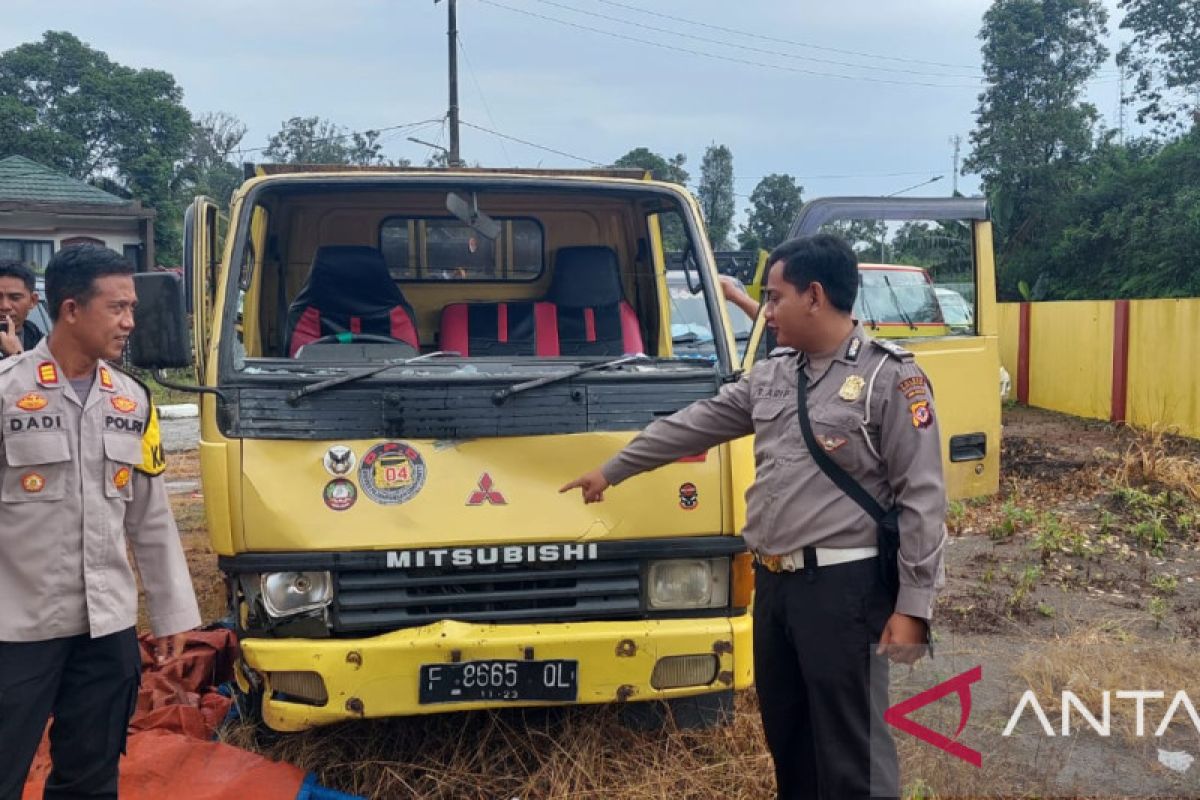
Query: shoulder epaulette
[892, 349]
[132, 377]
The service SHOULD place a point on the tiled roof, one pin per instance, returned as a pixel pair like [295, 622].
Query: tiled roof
[23, 180]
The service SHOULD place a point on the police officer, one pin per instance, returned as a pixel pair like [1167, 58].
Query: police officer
[18, 296]
[824, 623]
[80, 474]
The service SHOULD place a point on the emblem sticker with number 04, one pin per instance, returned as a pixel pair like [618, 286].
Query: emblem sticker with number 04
[391, 473]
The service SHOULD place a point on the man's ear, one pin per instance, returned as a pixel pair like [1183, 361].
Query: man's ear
[68, 310]
[820, 297]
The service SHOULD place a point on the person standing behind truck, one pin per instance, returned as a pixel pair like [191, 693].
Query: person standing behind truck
[80, 474]
[823, 614]
[18, 297]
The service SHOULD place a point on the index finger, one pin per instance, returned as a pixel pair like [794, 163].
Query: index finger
[575, 484]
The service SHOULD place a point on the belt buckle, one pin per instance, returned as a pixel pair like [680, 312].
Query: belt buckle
[771, 563]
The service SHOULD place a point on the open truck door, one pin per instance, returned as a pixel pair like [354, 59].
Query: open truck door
[937, 246]
[201, 260]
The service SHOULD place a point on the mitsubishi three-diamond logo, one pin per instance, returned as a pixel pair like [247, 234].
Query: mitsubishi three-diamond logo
[486, 493]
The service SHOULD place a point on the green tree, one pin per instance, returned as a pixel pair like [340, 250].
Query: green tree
[312, 140]
[67, 105]
[209, 167]
[1164, 60]
[716, 194]
[1033, 128]
[774, 205]
[662, 169]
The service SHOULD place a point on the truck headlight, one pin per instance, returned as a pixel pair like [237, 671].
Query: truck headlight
[285, 594]
[682, 583]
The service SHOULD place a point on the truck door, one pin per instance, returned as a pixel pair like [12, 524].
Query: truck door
[949, 241]
[201, 260]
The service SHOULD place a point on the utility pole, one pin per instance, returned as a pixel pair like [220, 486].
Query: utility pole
[454, 158]
[1121, 110]
[955, 140]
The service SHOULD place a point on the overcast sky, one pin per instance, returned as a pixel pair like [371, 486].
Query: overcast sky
[852, 97]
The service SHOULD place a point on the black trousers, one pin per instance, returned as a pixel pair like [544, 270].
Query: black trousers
[90, 686]
[821, 688]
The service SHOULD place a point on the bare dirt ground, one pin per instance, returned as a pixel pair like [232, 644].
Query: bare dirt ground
[1083, 573]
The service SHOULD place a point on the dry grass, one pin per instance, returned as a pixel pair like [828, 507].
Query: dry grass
[1104, 657]
[558, 753]
[1149, 462]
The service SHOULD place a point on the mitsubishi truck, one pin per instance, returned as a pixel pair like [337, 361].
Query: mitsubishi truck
[398, 368]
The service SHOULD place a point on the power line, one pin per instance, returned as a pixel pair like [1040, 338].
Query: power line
[243, 150]
[837, 177]
[776, 53]
[732, 59]
[792, 42]
[533, 144]
[483, 98]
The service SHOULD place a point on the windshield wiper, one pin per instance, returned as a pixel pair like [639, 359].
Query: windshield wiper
[351, 377]
[896, 299]
[501, 395]
[866, 306]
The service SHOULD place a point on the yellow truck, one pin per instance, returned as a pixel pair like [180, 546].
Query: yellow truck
[398, 368]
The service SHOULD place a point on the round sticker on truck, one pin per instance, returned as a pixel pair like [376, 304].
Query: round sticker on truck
[391, 473]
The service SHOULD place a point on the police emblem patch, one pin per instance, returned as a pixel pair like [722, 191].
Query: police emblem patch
[32, 482]
[340, 494]
[126, 405]
[106, 381]
[689, 496]
[831, 443]
[121, 477]
[852, 387]
[922, 414]
[33, 401]
[391, 473]
[339, 460]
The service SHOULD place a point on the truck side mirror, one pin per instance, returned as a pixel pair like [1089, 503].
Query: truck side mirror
[160, 337]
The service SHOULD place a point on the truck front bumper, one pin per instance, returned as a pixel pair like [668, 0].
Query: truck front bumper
[379, 676]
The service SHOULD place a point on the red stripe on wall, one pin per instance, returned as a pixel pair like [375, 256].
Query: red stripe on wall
[356, 324]
[502, 322]
[1023, 356]
[1120, 379]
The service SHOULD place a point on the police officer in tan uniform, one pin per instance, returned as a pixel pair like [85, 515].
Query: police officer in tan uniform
[80, 476]
[824, 623]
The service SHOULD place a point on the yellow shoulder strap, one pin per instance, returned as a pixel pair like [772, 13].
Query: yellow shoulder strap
[154, 461]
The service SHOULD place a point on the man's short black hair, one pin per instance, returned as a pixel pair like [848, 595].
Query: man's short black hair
[72, 273]
[824, 258]
[10, 268]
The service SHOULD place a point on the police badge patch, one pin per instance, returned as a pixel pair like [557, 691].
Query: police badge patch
[852, 387]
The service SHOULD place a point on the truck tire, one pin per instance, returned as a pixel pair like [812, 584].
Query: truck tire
[699, 712]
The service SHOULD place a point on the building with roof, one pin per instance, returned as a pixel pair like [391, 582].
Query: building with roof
[42, 211]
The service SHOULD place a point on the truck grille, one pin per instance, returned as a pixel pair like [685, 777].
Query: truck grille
[384, 600]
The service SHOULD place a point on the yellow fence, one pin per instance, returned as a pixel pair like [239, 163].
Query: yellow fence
[1136, 361]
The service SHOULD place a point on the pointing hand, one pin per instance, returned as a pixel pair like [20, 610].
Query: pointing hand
[593, 485]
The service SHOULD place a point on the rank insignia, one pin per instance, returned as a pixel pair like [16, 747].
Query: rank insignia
[124, 404]
[852, 387]
[121, 477]
[853, 348]
[32, 402]
[922, 414]
[47, 374]
[32, 482]
[106, 379]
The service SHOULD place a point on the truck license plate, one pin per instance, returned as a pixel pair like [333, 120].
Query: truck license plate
[555, 680]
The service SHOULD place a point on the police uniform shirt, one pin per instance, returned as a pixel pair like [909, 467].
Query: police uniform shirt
[77, 480]
[872, 411]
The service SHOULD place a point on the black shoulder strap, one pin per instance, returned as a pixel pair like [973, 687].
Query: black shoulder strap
[836, 474]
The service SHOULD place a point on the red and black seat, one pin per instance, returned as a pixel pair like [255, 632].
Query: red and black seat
[584, 314]
[349, 290]
[593, 317]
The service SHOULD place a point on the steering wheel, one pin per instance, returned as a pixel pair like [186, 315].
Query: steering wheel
[350, 337]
